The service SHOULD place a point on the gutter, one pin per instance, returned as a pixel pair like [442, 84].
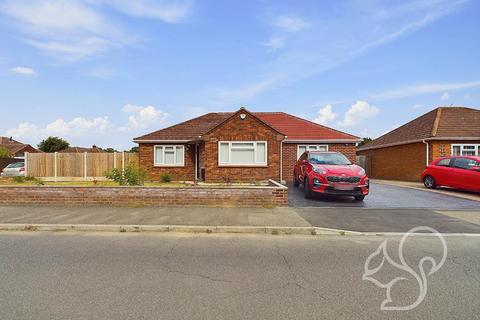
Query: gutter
[324, 141]
[418, 140]
[281, 159]
[428, 152]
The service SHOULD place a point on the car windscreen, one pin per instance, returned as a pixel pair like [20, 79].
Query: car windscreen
[16, 165]
[328, 159]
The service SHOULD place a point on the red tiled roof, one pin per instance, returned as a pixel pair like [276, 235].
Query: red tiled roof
[296, 128]
[442, 122]
[293, 127]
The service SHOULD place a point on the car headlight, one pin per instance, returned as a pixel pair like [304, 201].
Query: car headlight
[319, 171]
[362, 172]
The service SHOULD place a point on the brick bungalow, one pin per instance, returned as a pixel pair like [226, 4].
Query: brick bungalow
[237, 146]
[403, 153]
[17, 149]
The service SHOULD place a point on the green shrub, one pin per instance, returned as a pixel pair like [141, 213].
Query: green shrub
[19, 179]
[166, 177]
[4, 153]
[131, 176]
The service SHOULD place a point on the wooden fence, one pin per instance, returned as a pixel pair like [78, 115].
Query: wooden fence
[76, 166]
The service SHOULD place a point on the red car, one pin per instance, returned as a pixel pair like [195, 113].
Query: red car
[461, 172]
[330, 173]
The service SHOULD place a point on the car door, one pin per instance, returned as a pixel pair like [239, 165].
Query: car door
[463, 176]
[442, 172]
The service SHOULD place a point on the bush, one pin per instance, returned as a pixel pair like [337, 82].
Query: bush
[53, 144]
[131, 176]
[166, 177]
[20, 179]
[4, 153]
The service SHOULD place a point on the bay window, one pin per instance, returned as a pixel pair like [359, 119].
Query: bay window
[465, 149]
[243, 153]
[314, 147]
[169, 156]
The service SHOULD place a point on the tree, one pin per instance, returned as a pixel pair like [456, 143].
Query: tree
[110, 150]
[134, 149]
[53, 144]
[364, 141]
[4, 153]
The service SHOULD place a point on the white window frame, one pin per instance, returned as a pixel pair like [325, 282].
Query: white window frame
[233, 164]
[307, 146]
[462, 146]
[175, 146]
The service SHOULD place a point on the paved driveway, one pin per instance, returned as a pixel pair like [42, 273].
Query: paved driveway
[384, 196]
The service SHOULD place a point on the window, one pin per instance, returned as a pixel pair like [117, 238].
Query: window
[465, 149]
[464, 163]
[169, 156]
[242, 153]
[315, 147]
[444, 162]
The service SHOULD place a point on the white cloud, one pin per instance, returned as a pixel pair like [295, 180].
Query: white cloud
[275, 42]
[335, 40]
[144, 117]
[445, 96]
[424, 89]
[418, 106]
[77, 29]
[167, 11]
[290, 23]
[358, 112]
[24, 129]
[325, 115]
[68, 30]
[78, 126]
[26, 71]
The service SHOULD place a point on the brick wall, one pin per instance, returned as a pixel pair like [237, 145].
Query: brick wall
[443, 148]
[249, 129]
[404, 162]
[186, 173]
[290, 156]
[145, 196]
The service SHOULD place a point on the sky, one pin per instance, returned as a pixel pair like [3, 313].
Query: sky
[105, 71]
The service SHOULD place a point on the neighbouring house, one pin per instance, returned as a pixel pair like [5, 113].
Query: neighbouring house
[93, 149]
[17, 149]
[403, 153]
[237, 146]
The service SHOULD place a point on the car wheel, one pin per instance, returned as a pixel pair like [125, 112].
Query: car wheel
[359, 198]
[306, 188]
[429, 182]
[295, 181]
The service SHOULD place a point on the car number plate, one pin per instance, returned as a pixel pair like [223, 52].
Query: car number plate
[344, 188]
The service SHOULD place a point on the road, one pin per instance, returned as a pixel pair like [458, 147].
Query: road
[385, 196]
[174, 276]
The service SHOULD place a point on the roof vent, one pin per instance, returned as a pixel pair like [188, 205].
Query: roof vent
[243, 116]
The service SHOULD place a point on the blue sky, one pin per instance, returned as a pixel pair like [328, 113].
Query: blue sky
[104, 71]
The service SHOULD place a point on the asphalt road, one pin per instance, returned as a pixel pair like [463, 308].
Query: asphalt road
[384, 196]
[136, 276]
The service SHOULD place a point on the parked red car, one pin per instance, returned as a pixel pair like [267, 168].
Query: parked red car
[461, 172]
[330, 173]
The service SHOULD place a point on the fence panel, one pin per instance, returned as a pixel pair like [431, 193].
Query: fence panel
[75, 166]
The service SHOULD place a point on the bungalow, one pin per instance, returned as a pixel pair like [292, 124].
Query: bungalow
[403, 153]
[17, 149]
[237, 146]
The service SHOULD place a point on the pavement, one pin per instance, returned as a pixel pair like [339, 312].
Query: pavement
[284, 220]
[389, 208]
[175, 276]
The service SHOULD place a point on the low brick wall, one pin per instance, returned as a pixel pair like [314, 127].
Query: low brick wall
[146, 196]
